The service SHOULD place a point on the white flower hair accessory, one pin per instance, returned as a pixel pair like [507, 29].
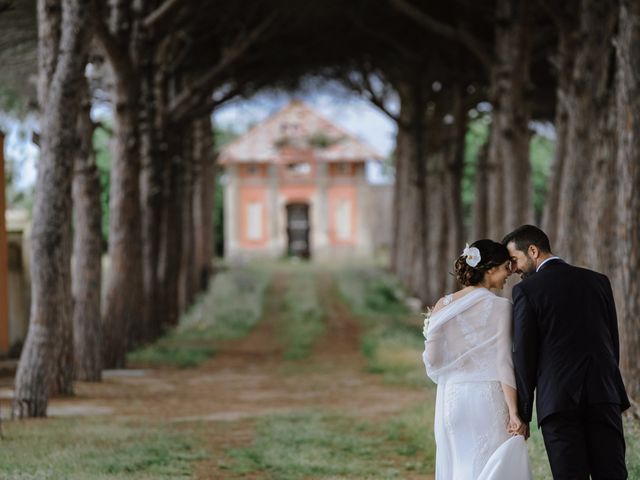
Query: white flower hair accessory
[471, 255]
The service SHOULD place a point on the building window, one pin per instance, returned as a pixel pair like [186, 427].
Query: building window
[252, 169]
[303, 168]
[254, 221]
[343, 220]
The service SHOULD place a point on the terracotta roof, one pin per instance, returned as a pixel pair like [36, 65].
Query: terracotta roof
[297, 131]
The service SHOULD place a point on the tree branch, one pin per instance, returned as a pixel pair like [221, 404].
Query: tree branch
[473, 44]
[121, 62]
[366, 88]
[161, 12]
[193, 94]
[387, 39]
[213, 103]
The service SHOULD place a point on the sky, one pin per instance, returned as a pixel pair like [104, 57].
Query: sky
[19, 148]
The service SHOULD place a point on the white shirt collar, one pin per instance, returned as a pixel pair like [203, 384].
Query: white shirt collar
[550, 258]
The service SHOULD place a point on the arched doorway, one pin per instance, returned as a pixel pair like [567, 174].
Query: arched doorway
[298, 230]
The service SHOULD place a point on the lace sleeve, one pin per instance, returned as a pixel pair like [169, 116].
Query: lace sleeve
[504, 362]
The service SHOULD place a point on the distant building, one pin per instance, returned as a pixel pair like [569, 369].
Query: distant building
[296, 185]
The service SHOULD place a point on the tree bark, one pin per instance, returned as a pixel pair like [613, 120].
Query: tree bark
[87, 252]
[589, 102]
[155, 158]
[510, 183]
[209, 183]
[63, 29]
[171, 248]
[203, 207]
[496, 198]
[123, 298]
[481, 197]
[628, 194]
[437, 247]
[564, 59]
[411, 200]
[399, 157]
[455, 168]
[185, 275]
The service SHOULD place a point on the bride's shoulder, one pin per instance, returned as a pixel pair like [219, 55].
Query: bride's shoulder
[443, 302]
[448, 298]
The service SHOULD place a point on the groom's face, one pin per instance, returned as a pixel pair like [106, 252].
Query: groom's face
[521, 262]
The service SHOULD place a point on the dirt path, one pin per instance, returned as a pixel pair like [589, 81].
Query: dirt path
[246, 379]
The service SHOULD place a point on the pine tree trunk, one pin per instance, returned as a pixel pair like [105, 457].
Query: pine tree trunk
[405, 201]
[154, 157]
[588, 101]
[171, 248]
[63, 29]
[567, 43]
[628, 198]
[438, 148]
[481, 196]
[412, 230]
[186, 291]
[400, 160]
[124, 290]
[599, 206]
[203, 207]
[127, 45]
[196, 257]
[455, 167]
[87, 253]
[496, 198]
[209, 183]
[509, 150]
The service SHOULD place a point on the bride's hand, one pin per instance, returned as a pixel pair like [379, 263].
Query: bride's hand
[516, 426]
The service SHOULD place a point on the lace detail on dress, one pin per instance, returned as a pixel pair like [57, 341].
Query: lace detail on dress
[486, 440]
[447, 299]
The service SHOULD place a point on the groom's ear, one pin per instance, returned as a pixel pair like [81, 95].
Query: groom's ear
[534, 252]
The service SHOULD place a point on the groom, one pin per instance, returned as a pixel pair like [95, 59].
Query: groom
[565, 345]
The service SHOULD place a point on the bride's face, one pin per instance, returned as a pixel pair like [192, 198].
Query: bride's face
[496, 277]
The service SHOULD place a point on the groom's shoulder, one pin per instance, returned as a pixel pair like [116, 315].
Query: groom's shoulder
[593, 276]
[565, 274]
[587, 273]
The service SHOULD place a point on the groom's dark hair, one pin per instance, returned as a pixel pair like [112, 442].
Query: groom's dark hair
[528, 235]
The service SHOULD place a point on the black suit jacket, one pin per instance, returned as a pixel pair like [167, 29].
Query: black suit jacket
[565, 341]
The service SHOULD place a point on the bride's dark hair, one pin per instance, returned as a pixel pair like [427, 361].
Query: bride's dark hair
[492, 254]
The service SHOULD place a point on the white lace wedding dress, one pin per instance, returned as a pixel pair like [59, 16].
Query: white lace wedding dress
[468, 353]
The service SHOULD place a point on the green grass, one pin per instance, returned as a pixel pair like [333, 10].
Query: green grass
[321, 445]
[229, 309]
[392, 342]
[632, 435]
[97, 448]
[371, 292]
[540, 464]
[301, 323]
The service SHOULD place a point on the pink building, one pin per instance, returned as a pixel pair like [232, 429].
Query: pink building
[296, 184]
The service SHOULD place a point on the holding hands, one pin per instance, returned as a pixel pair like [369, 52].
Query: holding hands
[516, 426]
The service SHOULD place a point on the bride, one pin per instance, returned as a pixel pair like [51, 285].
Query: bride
[479, 435]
